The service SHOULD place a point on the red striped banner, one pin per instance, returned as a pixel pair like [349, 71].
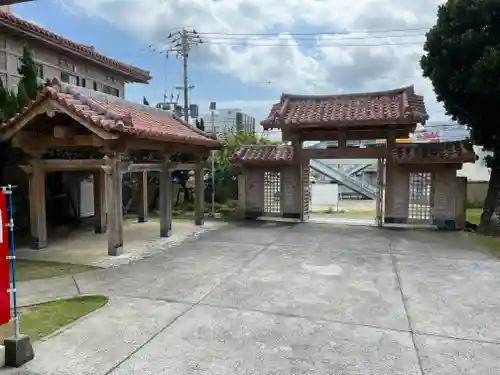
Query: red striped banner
[4, 262]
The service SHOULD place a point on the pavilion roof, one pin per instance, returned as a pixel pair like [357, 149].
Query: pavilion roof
[398, 106]
[114, 115]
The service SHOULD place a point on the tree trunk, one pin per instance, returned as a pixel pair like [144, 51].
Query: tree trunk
[490, 206]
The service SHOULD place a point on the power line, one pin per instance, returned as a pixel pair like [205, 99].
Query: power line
[373, 31]
[181, 44]
[322, 45]
[312, 38]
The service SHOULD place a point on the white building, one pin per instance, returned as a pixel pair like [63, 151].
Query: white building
[228, 120]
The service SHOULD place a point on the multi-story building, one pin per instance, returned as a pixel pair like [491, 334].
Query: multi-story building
[56, 56]
[228, 121]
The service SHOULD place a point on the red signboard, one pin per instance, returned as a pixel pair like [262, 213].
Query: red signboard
[4, 262]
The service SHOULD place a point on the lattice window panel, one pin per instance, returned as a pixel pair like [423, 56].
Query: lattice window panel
[272, 192]
[419, 202]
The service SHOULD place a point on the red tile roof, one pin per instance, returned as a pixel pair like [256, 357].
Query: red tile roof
[88, 52]
[118, 115]
[446, 152]
[399, 106]
[267, 154]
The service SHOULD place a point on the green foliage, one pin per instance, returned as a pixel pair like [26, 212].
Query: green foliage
[226, 172]
[28, 71]
[28, 87]
[462, 59]
[145, 101]
[22, 96]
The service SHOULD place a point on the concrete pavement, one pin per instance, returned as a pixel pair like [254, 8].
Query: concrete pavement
[289, 299]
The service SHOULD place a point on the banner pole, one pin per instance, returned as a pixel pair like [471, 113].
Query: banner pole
[18, 348]
[8, 193]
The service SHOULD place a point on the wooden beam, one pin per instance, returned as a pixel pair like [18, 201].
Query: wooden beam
[104, 134]
[142, 167]
[28, 140]
[157, 167]
[63, 131]
[142, 198]
[188, 166]
[25, 120]
[71, 165]
[348, 153]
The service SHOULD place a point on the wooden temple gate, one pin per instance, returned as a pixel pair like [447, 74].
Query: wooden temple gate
[417, 182]
[68, 129]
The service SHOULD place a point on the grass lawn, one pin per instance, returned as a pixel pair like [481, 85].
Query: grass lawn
[491, 243]
[40, 320]
[33, 270]
[474, 215]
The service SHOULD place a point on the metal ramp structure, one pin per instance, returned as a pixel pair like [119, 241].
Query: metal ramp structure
[344, 176]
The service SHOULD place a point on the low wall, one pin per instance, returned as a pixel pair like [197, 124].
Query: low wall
[324, 195]
[476, 191]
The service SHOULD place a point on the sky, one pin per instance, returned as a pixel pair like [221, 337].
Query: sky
[254, 50]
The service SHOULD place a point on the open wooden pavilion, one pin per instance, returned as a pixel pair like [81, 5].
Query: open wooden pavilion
[69, 128]
[417, 183]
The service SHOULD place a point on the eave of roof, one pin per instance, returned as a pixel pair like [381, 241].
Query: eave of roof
[114, 115]
[413, 112]
[58, 42]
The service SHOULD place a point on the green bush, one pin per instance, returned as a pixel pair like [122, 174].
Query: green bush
[474, 204]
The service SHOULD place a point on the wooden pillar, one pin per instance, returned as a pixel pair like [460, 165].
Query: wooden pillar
[380, 192]
[165, 199]
[38, 216]
[242, 191]
[142, 201]
[114, 204]
[100, 202]
[199, 199]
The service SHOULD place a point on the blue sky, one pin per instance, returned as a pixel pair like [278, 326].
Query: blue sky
[210, 84]
[323, 64]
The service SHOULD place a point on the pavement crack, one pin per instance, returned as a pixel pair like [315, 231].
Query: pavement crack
[403, 300]
[191, 307]
[76, 285]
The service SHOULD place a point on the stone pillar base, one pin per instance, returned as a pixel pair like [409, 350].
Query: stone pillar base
[18, 351]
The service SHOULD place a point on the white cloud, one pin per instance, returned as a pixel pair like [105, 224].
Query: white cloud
[290, 62]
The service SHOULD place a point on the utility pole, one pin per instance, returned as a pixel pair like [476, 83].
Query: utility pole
[182, 43]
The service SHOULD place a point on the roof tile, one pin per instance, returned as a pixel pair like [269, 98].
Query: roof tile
[118, 115]
[384, 107]
[257, 154]
[10, 20]
[445, 152]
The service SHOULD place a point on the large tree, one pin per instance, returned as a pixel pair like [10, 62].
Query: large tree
[28, 87]
[28, 70]
[462, 60]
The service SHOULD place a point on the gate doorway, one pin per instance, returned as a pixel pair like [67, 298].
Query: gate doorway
[272, 193]
[420, 198]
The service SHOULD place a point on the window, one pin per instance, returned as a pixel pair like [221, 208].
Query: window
[72, 79]
[65, 77]
[111, 90]
[95, 86]
[39, 68]
[84, 82]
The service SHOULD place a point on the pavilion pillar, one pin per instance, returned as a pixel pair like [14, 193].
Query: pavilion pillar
[100, 222]
[114, 204]
[38, 215]
[165, 199]
[199, 199]
[142, 201]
